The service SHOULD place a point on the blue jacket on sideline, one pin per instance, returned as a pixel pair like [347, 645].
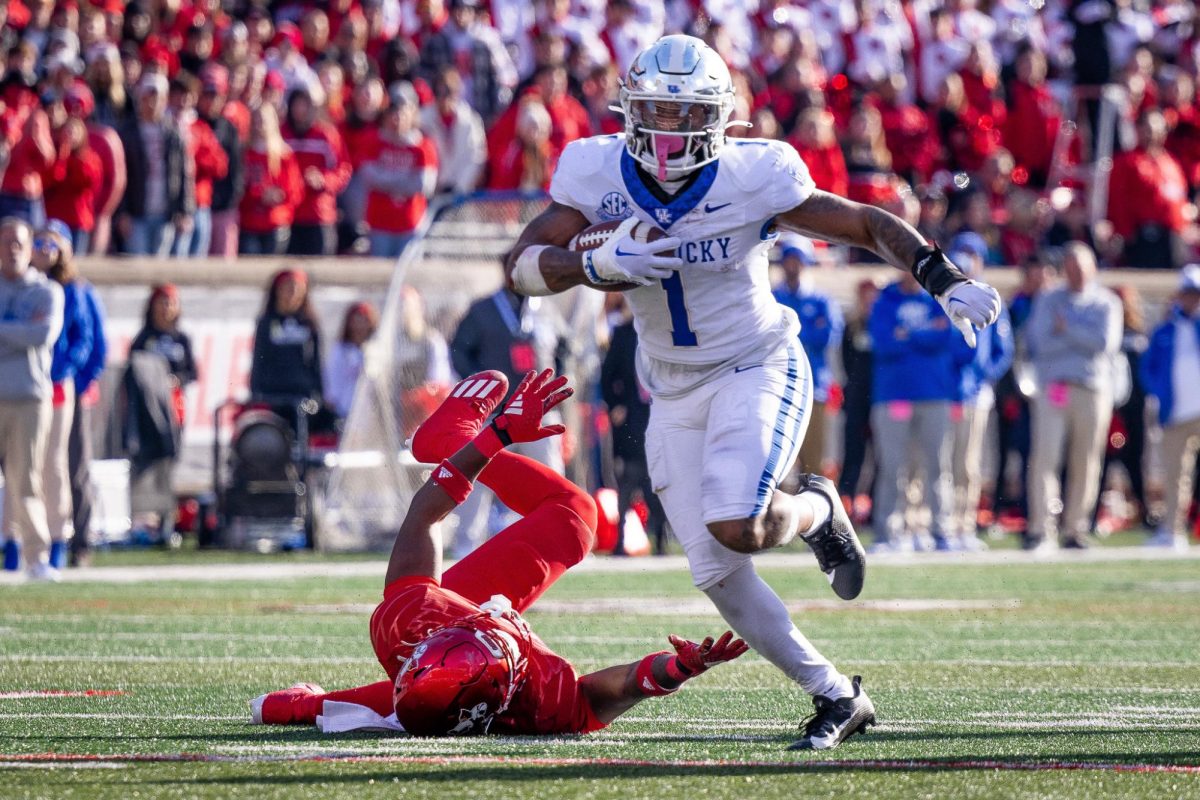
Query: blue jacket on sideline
[994, 353]
[1158, 363]
[74, 345]
[821, 326]
[91, 369]
[918, 355]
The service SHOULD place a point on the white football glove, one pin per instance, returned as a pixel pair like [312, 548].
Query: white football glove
[971, 305]
[623, 259]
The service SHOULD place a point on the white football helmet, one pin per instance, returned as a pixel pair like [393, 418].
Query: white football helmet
[677, 99]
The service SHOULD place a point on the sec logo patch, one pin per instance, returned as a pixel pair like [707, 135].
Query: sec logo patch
[613, 206]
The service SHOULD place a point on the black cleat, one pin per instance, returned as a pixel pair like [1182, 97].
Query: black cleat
[834, 721]
[839, 553]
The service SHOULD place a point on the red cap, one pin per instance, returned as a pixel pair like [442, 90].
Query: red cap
[297, 275]
[80, 102]
[167, 290]
[288, 32]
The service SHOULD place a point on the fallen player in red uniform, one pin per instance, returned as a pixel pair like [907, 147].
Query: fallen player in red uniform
[459, 658]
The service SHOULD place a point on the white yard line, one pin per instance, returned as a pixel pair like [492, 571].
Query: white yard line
[375, 568]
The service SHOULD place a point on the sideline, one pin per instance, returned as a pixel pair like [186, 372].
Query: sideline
[374, 568]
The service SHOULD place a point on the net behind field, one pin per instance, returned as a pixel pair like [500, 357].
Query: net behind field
[455, 259]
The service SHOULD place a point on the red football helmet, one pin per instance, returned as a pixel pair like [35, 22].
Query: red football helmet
[459, 678]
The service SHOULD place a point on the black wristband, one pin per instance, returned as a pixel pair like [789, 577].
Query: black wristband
[501, 434]
[934, 271]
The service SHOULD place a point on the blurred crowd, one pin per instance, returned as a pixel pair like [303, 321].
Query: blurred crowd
[226, 126]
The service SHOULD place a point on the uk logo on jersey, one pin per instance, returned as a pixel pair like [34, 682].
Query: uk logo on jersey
[663, 215]
[613, 206]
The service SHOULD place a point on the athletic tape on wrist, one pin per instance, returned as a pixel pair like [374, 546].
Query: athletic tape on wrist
[935, 272]
[527, 275]
[589, 268]
[646, 681]
[452, 481]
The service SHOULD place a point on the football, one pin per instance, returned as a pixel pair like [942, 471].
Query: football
[593, 236]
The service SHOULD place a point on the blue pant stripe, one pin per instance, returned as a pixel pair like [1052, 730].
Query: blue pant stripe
[787, 409]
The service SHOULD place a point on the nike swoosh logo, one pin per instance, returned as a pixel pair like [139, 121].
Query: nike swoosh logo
[621, 252]
[748, 366]
[710, 208]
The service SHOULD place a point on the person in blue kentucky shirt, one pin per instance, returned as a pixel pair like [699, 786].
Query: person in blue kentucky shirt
[1170, 371]
[976, 398]
[821, 325]
[917, 371]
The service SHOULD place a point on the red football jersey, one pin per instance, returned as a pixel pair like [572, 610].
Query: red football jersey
[549, 701]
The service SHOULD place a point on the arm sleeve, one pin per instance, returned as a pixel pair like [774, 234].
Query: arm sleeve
[790, 183]
[1153, 367]
[43, 325]
[79, 340]
[259, 359]
[563, 184]
[883, 335]
[1096, 331]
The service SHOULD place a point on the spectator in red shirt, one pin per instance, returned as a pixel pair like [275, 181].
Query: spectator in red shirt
[106, 144]
[213, 109]
[209, 163]
[599, 89]
[816, 141]
[965, 141]
[400, 173]
[1183, 121]
[72, 184]
[527, 161]
[1147, 199]
[325, 169]
[906, 131]
[457, 132]
[358, 133]
[568, 119]
[1031, 126]
[274, 188]
[29, 157]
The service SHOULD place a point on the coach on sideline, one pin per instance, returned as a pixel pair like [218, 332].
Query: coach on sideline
[31, 310]
[1073, 335]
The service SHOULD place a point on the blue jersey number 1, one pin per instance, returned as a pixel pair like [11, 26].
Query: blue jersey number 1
[681, 333]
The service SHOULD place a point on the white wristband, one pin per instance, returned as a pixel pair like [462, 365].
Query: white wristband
[527, 278]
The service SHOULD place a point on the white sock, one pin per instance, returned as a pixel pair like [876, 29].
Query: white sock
[818, 504]
[757, 615]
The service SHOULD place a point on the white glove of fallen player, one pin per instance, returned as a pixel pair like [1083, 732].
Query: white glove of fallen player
[971, 305]
[623, 259]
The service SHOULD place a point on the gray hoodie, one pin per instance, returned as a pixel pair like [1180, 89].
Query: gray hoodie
[31, 315]
[1083, 353]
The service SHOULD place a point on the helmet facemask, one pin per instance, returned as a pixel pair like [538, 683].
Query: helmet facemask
[672, 136]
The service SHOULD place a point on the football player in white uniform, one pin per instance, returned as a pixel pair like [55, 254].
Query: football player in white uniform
[720, 357]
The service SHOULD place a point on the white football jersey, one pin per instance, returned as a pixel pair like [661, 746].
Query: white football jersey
[719, 306]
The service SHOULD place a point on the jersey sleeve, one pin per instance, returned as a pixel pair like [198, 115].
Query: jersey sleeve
[789, 183]
[552, 700]
[565, 185]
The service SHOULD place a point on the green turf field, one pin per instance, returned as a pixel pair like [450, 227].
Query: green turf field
[1019, 673]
